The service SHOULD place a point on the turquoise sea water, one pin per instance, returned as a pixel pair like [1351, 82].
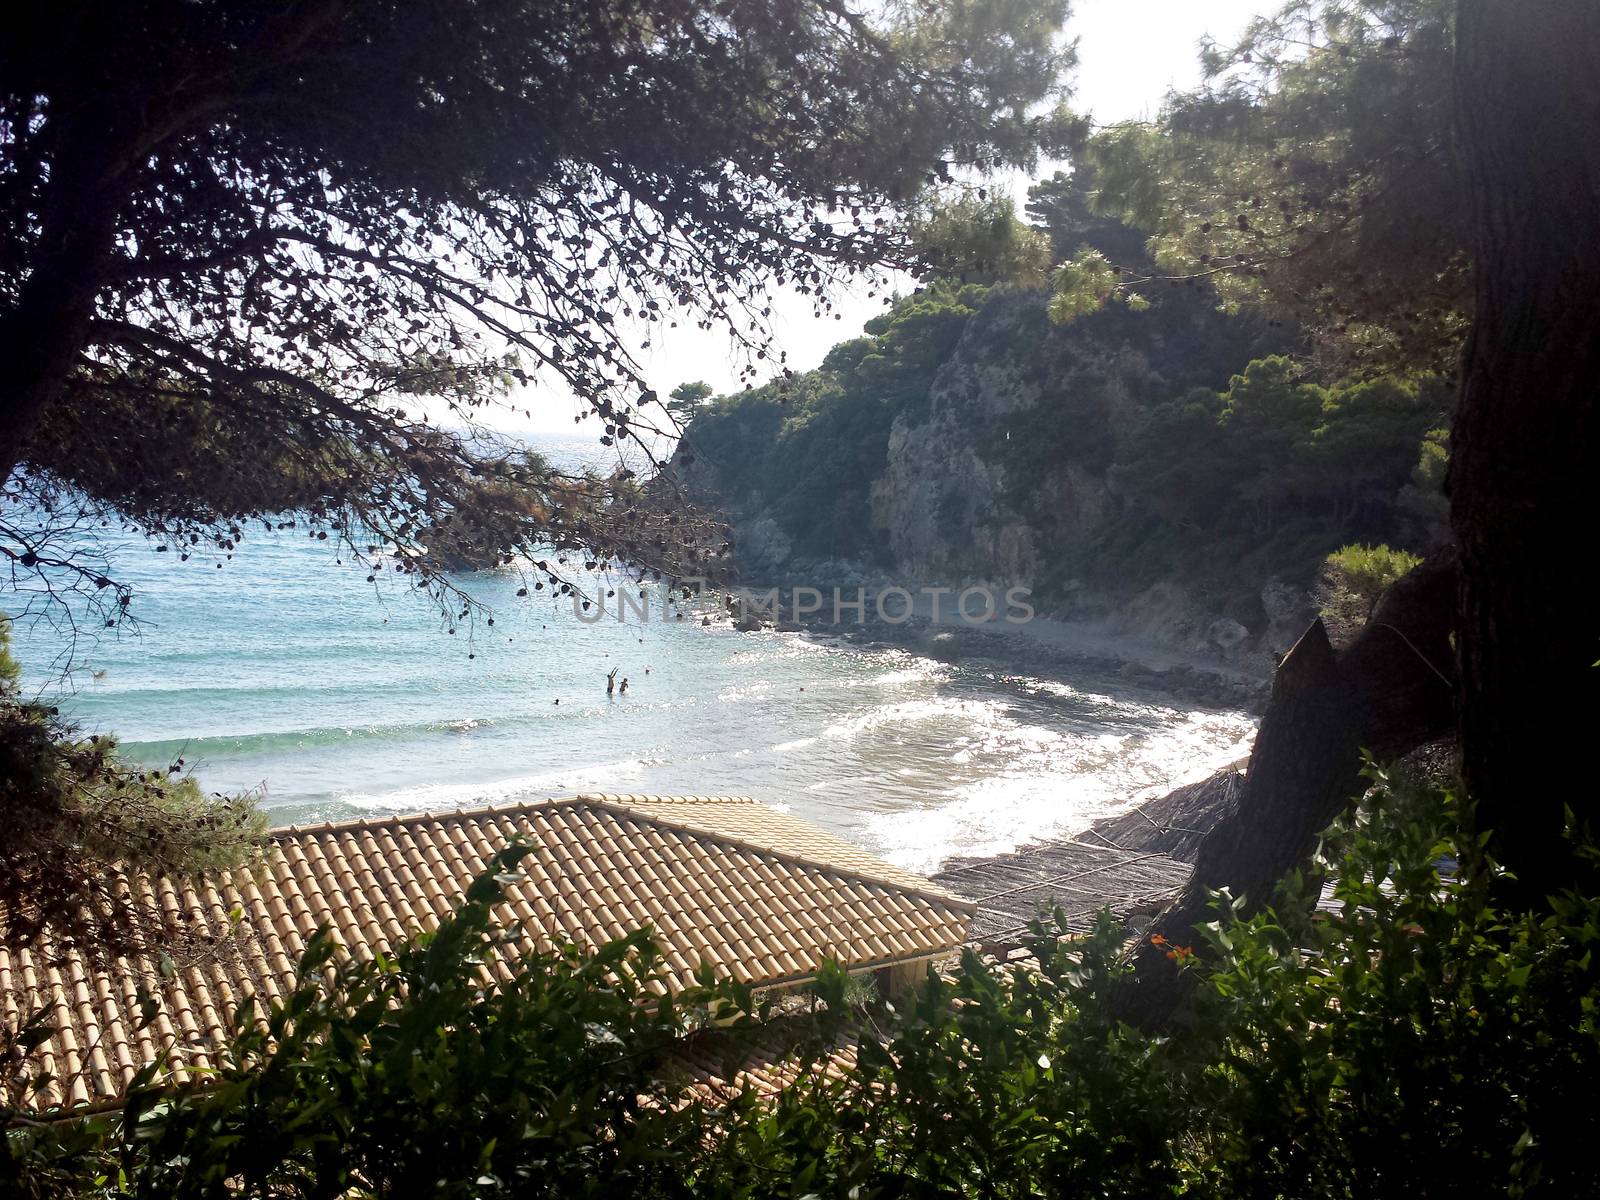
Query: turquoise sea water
[286, 673]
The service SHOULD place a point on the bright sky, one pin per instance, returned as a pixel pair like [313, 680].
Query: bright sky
[1130, 53]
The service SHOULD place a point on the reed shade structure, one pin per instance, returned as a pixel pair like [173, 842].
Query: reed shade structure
[755, 893]
[1079, 877]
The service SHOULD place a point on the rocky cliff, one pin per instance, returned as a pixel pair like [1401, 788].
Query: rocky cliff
[957, 501]
[1003, 471]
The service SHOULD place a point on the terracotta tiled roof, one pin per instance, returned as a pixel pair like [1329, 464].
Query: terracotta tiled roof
[743, 819]
[758, 894]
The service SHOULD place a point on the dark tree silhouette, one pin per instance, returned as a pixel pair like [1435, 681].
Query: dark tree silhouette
[1523, 454]
[239, 240]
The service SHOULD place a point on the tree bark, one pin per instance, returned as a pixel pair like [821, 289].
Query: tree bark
[43, 334]
[1390, 691]
[1522, 479]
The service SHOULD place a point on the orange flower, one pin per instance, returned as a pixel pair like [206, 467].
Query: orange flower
[1157, 940]
[1181, 954]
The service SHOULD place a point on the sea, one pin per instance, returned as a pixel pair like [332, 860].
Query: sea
[286, 674]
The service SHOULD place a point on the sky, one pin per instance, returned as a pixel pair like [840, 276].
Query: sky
[1130, 54]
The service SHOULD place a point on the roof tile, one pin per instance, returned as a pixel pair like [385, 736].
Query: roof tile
[753, 891]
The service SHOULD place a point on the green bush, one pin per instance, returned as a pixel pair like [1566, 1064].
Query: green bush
[1368, 570]
[1352, 579]
[1420, 1040]
[73, 809]
[1417, 1040]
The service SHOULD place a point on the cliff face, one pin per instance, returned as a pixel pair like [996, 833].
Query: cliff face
[1003, 475]
[957, 500]
[1007, 480]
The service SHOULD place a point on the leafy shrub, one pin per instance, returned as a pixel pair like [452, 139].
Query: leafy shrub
[1368, 570]
[1418, 1039]
[73, 808]
[1352, 579]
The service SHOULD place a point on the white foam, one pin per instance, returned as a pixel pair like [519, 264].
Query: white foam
[1046, 785]
[445, 796]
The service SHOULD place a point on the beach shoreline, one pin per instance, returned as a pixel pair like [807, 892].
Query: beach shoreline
[1056, 649]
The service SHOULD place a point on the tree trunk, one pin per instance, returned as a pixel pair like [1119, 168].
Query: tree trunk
[43, 334]
[39, 343]
[1388, 693]
[1522, 479]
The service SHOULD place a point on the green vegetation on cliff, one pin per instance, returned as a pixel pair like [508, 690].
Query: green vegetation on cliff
[1290, 242]
[1216, 454]
[808, 448]
[1270, 475]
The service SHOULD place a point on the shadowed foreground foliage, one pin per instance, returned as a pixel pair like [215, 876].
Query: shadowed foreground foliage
[1417, 1041]
[73, 806]
[245, 246]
